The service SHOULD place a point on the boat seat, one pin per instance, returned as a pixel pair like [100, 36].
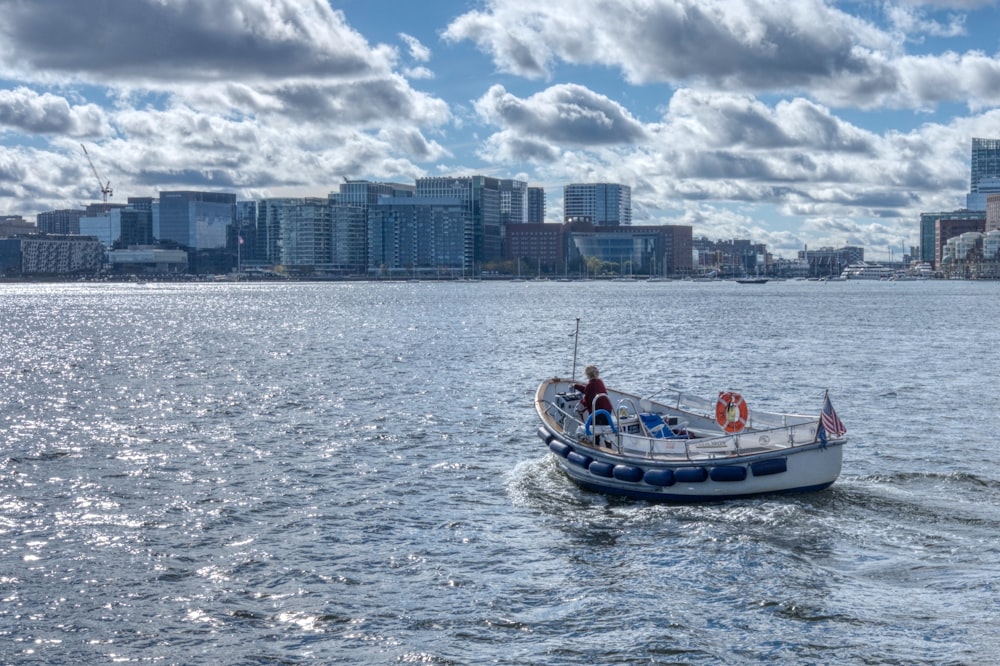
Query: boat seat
[657, 427]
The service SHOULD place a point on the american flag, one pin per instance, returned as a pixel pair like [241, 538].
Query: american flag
[831, 422]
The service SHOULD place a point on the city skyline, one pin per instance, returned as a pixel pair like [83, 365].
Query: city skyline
[818, 124]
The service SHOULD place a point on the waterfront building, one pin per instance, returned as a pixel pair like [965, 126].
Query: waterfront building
[53, 255]
[352, 241]
[104, 226]
[246, 238]
[421, 235]
[992, 212]
[636, 250]
[991, 245]
[197, 220]
[830, 261]
[349, 243]
[606, 204]
[984, 163]
[536, 205]
[15, 225]
[513, 202]
[961, 248]
[541, 246]
[481, 195]
[956, 222]
[139, 260]
[266, 247]
[306, 235]
[65, 221]
[950, 225]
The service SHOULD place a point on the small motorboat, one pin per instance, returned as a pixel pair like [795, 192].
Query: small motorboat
[685, 448]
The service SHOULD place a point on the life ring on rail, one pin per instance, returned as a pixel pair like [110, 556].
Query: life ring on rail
[731, 411]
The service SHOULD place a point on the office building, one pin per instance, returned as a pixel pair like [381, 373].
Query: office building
[634, 250]
[197, 220]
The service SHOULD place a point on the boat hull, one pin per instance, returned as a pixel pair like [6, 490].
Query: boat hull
[805, 470]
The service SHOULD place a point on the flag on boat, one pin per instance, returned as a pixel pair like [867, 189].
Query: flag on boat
[831, 422]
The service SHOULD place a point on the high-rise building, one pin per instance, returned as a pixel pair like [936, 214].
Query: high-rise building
[482, 196]
[60, 221]
[351, 244]
[307, 234]
[985, 161]
[605, 204]
[536, 205]
[197, 220]
[984, 172]
[427, 234]
[513, 202]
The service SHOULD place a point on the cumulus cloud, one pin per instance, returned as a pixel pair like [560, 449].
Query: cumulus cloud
[759, 44]
[566, 114]
[183, 40]
[25, 110]
[754, 46]
[278, 95]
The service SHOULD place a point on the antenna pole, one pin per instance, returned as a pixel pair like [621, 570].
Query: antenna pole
[576, 341]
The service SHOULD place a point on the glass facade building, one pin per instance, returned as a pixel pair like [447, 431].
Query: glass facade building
[197, 220]
[604, 204]
[481, 195]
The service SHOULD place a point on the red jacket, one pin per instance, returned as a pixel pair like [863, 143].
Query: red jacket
[590, 391]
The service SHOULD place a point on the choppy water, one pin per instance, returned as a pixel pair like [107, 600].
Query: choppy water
[349, 473]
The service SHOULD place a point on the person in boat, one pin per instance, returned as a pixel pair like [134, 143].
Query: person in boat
[594, 388]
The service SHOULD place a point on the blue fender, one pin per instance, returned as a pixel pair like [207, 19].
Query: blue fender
[772, 466]
[627, 473]
[728, 473]
[579, 459]
[690, 474]
[545, 435]
[560, 449]
[659, 477]
[604, 469]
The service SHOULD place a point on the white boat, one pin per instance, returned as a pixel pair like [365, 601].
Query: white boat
[866, 271]
[686, 448]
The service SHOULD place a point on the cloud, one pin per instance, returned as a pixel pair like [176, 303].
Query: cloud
[182, 40]
[754, 44]
[278, 96]
[24, 110]
[565, 114]
[809, 48]
[418, 51]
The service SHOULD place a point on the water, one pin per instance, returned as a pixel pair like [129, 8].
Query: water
[349, 473]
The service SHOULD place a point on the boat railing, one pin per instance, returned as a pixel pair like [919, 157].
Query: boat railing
[759, 419]
[706, 448]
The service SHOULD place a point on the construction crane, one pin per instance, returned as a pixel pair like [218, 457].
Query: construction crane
[105, 187]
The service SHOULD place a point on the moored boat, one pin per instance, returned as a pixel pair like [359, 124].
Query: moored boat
[687, 448]
[866, 271]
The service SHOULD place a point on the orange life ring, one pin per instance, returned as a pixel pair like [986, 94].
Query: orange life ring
[731, 411]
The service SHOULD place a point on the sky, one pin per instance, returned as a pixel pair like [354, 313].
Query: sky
[804, 123]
